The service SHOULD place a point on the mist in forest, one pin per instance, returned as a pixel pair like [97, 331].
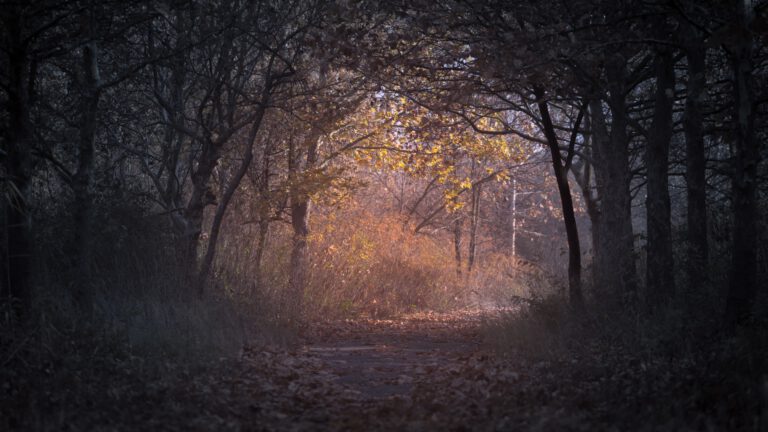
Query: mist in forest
[405, 215]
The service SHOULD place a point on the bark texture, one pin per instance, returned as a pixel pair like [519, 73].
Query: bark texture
[301, 208]
[695, 164]
[474, 222]
[457, 228]
[18, 161]
[743, 278]
[659, 261]
[229, 192]
[618, 273]
[84, 176]
[566, 202]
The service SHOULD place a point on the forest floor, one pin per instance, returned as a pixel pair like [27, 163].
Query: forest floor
[424, 371]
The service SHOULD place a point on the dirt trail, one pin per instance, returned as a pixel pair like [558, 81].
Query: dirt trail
[380, 359]
[360, 375]
[420, 373]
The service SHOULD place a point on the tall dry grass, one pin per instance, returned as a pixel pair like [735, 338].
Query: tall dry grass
[362, 263]
[365, 261]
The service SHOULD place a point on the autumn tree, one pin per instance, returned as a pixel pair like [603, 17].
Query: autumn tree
[216, 107]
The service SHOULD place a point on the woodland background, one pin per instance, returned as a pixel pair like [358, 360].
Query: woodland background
[185, 180]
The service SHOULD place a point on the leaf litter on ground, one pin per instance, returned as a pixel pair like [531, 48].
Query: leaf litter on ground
[425, 371]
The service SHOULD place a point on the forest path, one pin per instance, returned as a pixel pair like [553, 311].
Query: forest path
[423, 372]
[417, 373]
[380, 359]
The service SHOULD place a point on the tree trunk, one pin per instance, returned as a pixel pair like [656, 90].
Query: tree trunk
[660, 279]
[593, 212]
[695, 172]
[264, 210]
[19, 166]
[174, 139]
[201, 197]
[83, 178]
[584, 181]
[229, 192]
[457, 225]
[474, 221]
[583, 178]
[566, 201]
[297, 279]
[600, 235]
[301, 207]
[743, 278]
[218, 217]
[618, 267]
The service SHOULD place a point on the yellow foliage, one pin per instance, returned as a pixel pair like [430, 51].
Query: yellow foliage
[409, 138]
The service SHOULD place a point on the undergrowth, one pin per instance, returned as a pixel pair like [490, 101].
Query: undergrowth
[376, 265]
[144, 321]
[675, 366]
[360, 264]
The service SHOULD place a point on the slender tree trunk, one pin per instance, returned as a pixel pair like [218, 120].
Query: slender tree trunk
[175, 140]
[301, 207]
[217, 126]
[474, 222]
[218, 218]
[19, 166]
[566, 201]
[300, 212]
[600, 235]
[695, 164]
[743, 278]
[584, 181]
[583, 178]
[229, 192]
[514, 218]
[264, 210]
[593, 212]
[83, 178]
[659, 262]
[457, 225]
[201, 197]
